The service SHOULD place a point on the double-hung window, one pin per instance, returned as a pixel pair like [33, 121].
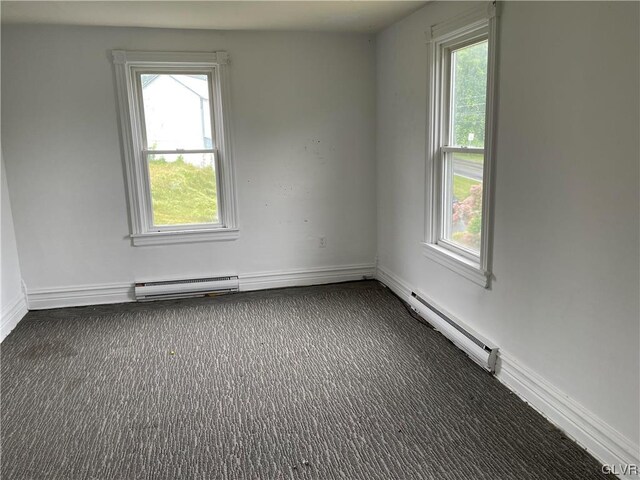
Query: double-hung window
[460, 152]
[174, 125]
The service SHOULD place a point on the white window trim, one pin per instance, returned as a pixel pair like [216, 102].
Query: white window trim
[125, 63]
[478, 269]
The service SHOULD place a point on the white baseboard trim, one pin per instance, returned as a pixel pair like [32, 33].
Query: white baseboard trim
[397, 285]
[100, 294]
[297, 278]
[602, 441]
[11, 315]
[77, 296]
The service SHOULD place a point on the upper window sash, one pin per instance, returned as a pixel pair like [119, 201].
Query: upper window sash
[136, 79]
[448, 49]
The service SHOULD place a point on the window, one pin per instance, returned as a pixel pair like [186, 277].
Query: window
[174, 123]
[458, 233]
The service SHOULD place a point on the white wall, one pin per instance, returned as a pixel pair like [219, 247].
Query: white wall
[12, 301]
[304, 125]
[565, 296]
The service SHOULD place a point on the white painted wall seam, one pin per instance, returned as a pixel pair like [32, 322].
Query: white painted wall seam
[13, 304]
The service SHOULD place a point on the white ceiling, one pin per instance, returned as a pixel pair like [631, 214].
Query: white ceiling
[342, 16]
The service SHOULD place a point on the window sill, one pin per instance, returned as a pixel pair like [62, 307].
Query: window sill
[184, 236]
[457, 263]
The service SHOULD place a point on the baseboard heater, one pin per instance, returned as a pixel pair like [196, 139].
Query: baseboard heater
[194, 287]
[477, 348]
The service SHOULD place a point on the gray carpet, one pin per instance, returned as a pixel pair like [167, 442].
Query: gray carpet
[321, 382]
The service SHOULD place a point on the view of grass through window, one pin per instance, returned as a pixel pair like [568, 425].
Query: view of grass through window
[183, 192]
[468, 106]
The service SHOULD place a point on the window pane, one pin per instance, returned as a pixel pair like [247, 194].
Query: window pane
[183, 189]
[463, 210]
[176, 111]
[468, 95]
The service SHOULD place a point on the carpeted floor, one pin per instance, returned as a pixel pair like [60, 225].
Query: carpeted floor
[322, 382]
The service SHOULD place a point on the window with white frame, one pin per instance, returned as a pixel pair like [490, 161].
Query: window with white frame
[174, 124]
[460, 153]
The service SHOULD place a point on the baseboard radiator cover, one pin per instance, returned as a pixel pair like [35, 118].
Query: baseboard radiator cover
[480, 350]
[184, 288]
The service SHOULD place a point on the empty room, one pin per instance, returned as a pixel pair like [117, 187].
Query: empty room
[320, 240]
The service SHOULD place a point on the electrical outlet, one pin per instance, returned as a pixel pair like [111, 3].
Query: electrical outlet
[323, 242]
